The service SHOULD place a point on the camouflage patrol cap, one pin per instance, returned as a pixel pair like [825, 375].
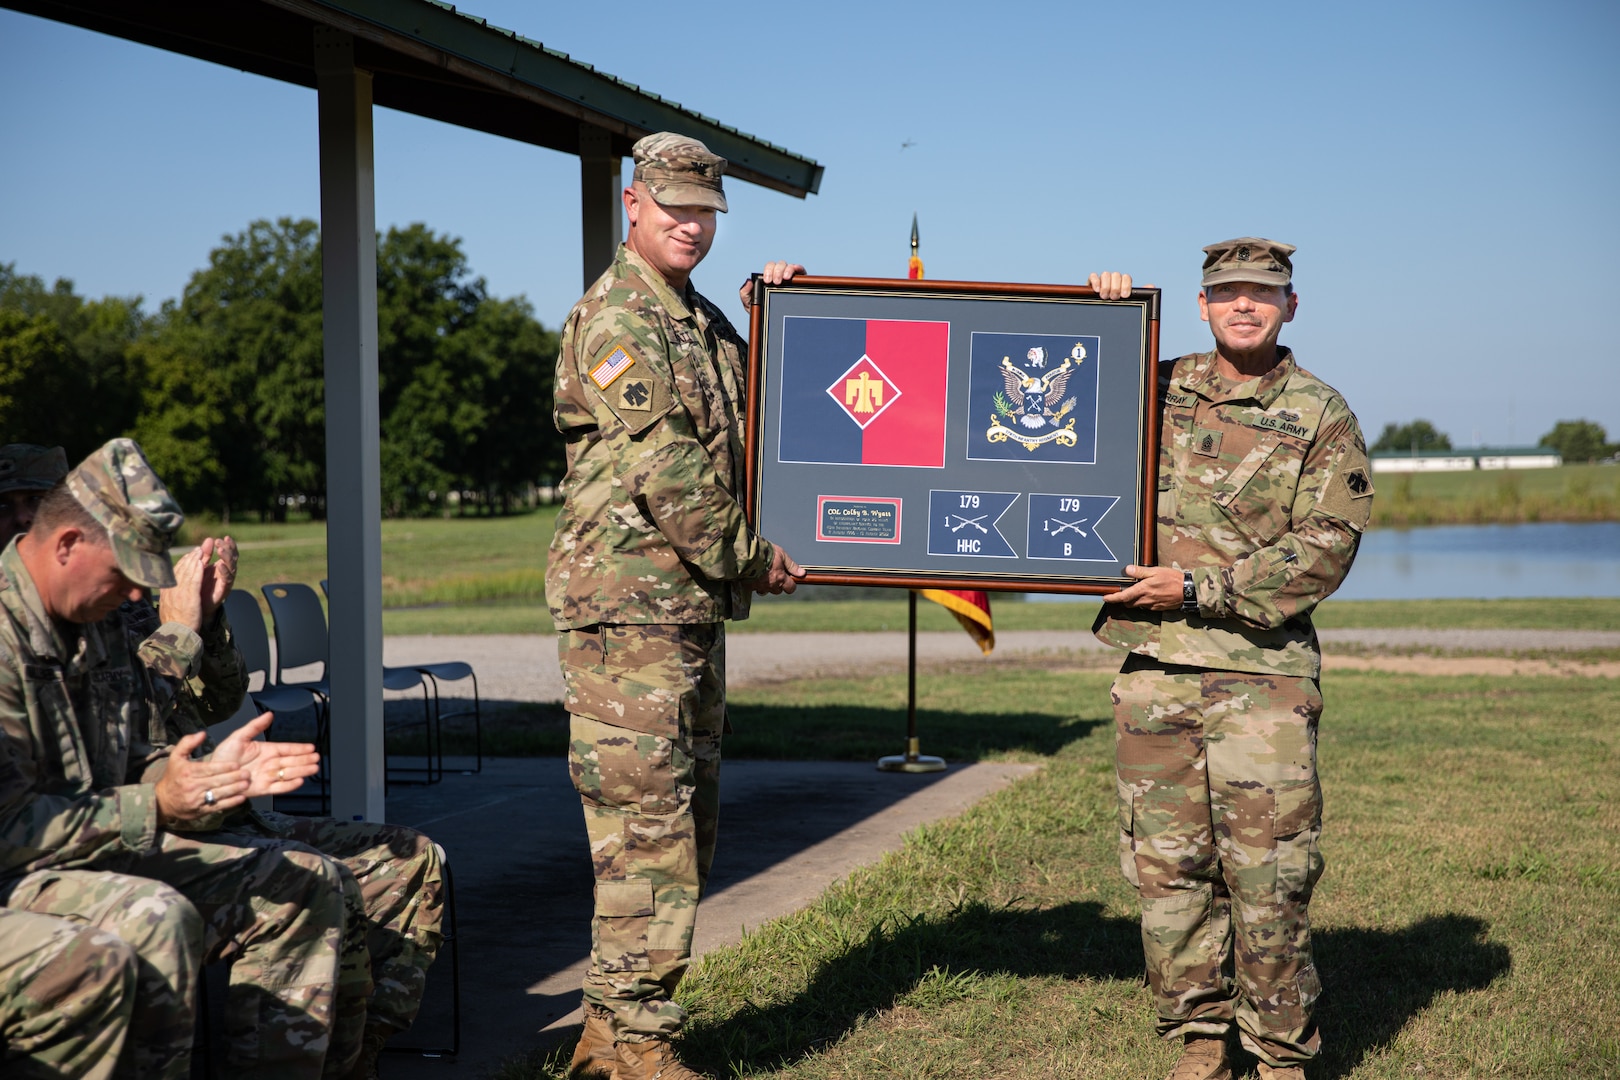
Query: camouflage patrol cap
[1248, 258]
[680, 171]
[119, 489]
[26, 467]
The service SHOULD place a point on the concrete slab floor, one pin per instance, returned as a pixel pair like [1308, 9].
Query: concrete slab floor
[516, 840]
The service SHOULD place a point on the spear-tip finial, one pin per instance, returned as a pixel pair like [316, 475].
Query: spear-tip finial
[914, 233]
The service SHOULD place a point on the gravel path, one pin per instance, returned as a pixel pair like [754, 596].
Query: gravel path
[523, 667]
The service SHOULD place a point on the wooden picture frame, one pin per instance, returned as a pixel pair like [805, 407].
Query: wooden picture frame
[951, 434]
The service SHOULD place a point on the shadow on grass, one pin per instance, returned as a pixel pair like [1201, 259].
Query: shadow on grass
[839, 732]
[821, 732]
[1378, 979]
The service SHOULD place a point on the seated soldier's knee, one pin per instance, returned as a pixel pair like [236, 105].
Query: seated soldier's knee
[157, 917]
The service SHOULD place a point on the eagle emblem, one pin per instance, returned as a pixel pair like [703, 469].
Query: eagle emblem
[1034, 401]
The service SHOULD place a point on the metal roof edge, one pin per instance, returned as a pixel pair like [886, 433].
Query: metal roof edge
[600, 98]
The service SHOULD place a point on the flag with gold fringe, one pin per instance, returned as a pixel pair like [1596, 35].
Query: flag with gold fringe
[970, 607]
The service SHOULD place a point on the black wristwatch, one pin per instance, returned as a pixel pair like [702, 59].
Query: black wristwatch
[1189, 592]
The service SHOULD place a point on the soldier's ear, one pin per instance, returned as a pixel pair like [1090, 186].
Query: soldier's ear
[64, 542]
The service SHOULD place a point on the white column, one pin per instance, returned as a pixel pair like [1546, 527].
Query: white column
[601, 209]
[353, 489]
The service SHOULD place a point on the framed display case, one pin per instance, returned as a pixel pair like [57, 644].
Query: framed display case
[947, 434]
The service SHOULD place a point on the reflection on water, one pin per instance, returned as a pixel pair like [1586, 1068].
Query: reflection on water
[1487, 562]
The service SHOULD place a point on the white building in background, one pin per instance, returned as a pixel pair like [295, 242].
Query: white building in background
[1456, 460]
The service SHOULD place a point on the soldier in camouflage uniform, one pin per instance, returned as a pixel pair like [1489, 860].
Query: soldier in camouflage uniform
[651, 554]
[392, 931]
[71, 795]
[393, 896]
[1264, 490]
[156, 928]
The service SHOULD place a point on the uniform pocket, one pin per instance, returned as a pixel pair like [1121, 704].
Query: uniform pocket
[1127, 837]
[1257, 497]
[623, 911]
[1296, 828]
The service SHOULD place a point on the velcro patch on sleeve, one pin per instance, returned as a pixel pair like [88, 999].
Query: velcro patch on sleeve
[611, 366]
[1348, 495]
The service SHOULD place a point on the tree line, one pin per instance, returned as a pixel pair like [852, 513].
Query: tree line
[223, 387]
[1575, 440]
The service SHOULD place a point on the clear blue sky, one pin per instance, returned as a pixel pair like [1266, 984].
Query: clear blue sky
[1449, 171]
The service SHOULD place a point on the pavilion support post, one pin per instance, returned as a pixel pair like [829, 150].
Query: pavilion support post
[600, 202]
[353, 469]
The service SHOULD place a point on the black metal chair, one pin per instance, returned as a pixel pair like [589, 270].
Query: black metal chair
[442, 672]
[453, 946]
[301, 639]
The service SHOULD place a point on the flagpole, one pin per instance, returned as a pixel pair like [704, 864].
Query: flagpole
[912, 761]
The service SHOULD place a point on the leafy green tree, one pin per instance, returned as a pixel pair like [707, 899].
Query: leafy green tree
[1419, 435]
[89, 358]
[1579, 440]
[240, 376]
[225, 388]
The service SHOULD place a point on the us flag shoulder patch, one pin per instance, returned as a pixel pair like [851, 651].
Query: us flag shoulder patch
[615, 364]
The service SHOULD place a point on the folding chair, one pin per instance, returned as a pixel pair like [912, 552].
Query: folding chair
[301, 639]
[448, 671]
[247, 630]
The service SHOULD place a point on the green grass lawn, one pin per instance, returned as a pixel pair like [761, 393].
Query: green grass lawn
[1567, 493]
[1468, 924]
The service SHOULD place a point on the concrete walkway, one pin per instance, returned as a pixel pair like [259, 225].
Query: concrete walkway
[516, 839]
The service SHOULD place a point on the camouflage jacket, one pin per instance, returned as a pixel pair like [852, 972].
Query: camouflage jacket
[1264, 490]
[649, 397]
[74, 732]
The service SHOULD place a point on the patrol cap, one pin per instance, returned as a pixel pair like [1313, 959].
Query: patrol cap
[117, 486]
[680, 171]
[1248, 258]
[26, 467]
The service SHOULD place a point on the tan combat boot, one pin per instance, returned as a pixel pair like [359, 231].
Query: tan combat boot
[594, 1058]
[1203, 1057]
[652, 1059]
[1281, 1072]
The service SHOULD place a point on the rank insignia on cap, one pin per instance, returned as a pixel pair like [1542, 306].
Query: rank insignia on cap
[617, 363]
[1243, 253]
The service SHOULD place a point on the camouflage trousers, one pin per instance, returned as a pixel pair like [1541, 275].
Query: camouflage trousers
[1219, 812]
[119, 959]
[395, 908]
[648, 707]
[276, 916]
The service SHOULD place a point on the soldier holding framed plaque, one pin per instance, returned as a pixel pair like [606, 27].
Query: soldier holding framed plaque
[1264, 490]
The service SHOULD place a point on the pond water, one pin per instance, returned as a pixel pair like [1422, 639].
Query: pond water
[1482, 562]
[1487, 562]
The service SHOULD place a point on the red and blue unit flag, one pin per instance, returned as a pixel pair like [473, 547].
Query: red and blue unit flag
[863, 392]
